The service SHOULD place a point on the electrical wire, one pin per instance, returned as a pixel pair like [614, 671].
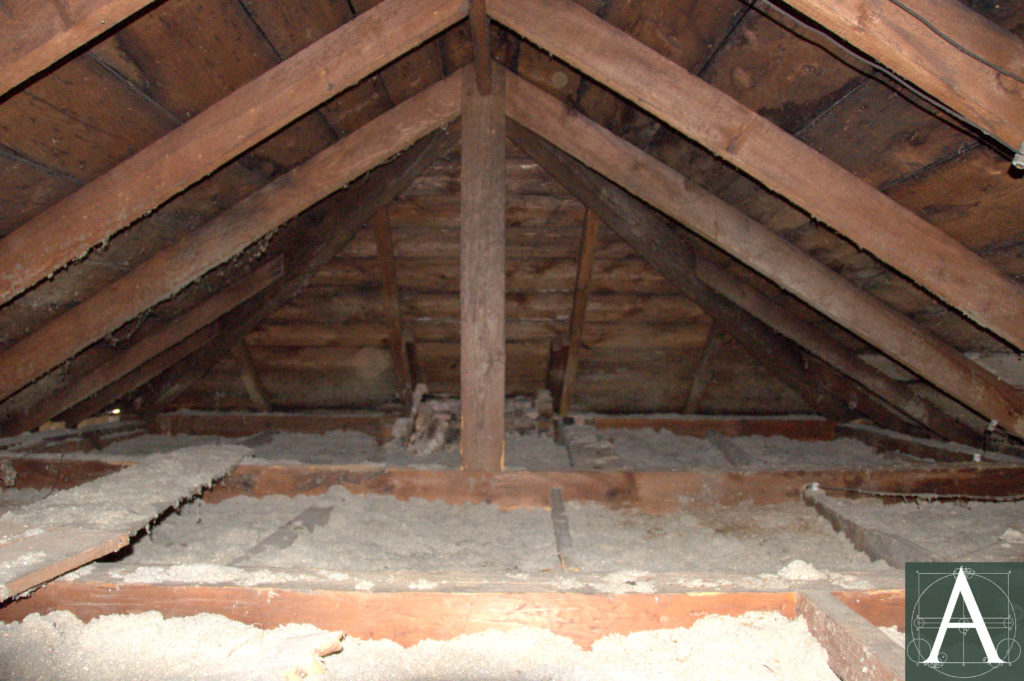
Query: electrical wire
[973, 55]
[922, 496]
[969, 125]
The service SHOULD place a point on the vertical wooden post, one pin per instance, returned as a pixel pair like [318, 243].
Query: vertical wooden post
[481, 45]
[389, 290]
[585, 267]
[482, 282]
[251, 379]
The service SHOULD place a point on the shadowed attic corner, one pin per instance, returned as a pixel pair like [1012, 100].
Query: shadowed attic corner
[572, 268]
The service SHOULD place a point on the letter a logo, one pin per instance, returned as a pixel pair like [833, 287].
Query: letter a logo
[962, 590]
[962, 621]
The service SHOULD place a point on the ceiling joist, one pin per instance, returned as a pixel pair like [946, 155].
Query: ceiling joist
[254, 217]
[784, 164]
[253, 112]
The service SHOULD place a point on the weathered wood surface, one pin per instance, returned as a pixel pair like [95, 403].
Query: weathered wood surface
[404, 617]
[250, 376]
[98, 517]
[238, 424]
[174, 267]
[768, 253]
[857, 650]
[581, 293]
[743, 138]
[38, 34]
[221, 132]
[482, 276]
[81, 387]
[389, 294]
[920, 447]
[992, 101]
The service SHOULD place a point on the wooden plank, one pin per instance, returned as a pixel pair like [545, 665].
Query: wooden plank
[250, 377]
[389, 292]
[174, 267]
[920, 447]
[237, 424]
[481, 39]
[768, 253]
[39, 34]
[784, 164]
[877, 543]
[563, 536]
[482, 276]
[809, 428]
[990, 99]
[210, 139]
[160, 340]
[857, 650]
[883, 608]
[403, 617]
[730, 451]
[321, 233]
[584, 270]
[647, 491]
[702, 375]
[82, 524]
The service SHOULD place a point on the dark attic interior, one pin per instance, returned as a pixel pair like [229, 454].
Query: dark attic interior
[494, 339]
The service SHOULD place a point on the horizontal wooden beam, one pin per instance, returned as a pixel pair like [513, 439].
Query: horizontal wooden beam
[237, 424]
[261, 107]
[38, 34]
[952, 73]
[169, 334]
[405, 617]
[173, 268]
[887, 440]
[766, 252]
[783, 163]
[809, 428]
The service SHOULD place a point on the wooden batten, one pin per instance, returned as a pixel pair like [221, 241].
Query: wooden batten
[584, 270]
[482, 280]
[783, 163]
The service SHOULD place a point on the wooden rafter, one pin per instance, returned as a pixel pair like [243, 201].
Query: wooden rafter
[824, 390]
[872, 220]
[173, 268]
[38, 34]
[584, 268]
[251, 113]
[250, 376]
[392, 309]
[910, 46]
[320, 235]
[768, 253]
[143, 350]
[482, 276]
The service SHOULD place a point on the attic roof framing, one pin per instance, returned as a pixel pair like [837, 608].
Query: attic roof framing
[360, 47]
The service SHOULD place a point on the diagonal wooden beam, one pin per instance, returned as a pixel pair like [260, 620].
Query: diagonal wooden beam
[173, 268]
[319, 235]
[866, 216]
[482, 276]
[701, 376]
[392, 309]
[584, 269]
[250, 377]
[955, 74]
[824, 390]
[251, 113]
[35, 35]
[768, 253]
[127, 360]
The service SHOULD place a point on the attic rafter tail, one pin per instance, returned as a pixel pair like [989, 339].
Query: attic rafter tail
[780, 161]
[68, 230]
